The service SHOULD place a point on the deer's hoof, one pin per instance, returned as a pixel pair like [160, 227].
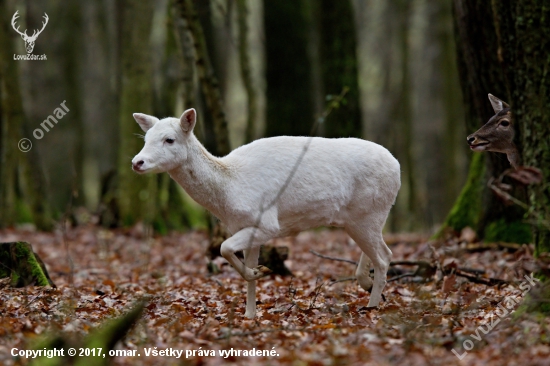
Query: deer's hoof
[261, 271]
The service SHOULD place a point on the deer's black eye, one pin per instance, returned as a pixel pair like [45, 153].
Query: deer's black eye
[505, 123]
[170, 141]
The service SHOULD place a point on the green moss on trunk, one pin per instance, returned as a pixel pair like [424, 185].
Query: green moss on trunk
[524, 39]
[510, 232]
[467, 209]
[22, 265]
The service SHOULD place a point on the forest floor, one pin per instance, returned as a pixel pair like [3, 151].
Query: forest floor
[307, 319]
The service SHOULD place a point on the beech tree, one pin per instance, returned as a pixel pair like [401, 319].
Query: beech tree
[136, 194]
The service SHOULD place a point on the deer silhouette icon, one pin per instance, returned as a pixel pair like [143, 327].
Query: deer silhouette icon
[29, 41]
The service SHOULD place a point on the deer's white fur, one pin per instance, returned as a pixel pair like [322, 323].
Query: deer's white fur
[347, 182]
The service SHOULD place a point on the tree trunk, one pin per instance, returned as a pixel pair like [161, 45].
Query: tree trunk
[503, 50]
[171, 208]
[73, 13]
[523, 38]
[22, 183]
[396, 106]
[208, 80]
[246, 72]
[339, 66]
[136, 194]
[24, 267]
[288, 74]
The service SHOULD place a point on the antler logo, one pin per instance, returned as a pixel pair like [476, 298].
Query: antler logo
[29, 41]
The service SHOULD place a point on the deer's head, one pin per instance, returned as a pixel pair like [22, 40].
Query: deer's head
[166, 142]
[498, 133]
[29, 40]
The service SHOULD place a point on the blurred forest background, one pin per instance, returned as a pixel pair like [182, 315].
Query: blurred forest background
[252, 69]
[277, 64]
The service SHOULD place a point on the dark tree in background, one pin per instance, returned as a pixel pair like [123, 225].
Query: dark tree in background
[311, 57]
[288, 72]
[23, 195]
[503, 50]
[337, 53]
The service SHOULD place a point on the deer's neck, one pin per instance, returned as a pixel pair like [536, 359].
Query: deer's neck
[514, 158]
[204, 177]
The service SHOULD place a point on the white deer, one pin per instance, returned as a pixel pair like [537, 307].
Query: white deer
[29, 41]
[279, 186]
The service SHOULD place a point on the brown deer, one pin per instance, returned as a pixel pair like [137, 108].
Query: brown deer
[498, 133]
[29, 40]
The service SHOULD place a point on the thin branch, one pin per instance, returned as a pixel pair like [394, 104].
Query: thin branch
[411, 274]
[332, 258]
[352, 278]
[317, 291]
[471, 274]
[489, 281]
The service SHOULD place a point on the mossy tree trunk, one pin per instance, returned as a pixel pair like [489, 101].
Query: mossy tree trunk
[523, 38]
[24, 267]
[503, 50]
[136, 195]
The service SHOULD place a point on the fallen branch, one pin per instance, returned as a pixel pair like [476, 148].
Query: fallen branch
[426, 270]
[332, 258]
[392, 263]
[259, 331]
[479, 247]
[489, 281]
[410, 274]
[352, 278]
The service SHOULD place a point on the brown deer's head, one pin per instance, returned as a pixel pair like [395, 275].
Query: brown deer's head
[29, 40]
[497, 134]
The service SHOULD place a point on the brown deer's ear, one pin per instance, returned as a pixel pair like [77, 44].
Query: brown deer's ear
[497, 104]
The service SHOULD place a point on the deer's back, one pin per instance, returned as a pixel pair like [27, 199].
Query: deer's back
[313, 181]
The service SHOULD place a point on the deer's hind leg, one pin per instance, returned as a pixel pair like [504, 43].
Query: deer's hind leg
[368, 236]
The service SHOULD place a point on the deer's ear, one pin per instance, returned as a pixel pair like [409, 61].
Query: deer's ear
[145, 121]
[188, 120]
[497, 104]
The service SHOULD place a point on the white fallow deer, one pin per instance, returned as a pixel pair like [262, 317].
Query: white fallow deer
[497, 134]
[279, 186]
[29, 40]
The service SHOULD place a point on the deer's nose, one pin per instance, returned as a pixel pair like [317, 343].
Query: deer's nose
[471, 139]
[137, 166]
